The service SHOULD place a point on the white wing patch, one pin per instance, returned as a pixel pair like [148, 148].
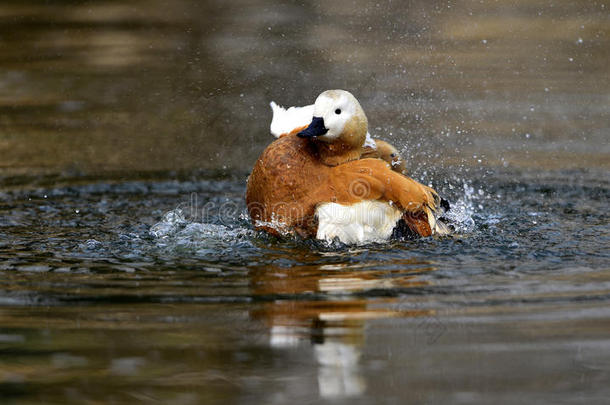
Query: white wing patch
[285, 120]
[369, 142]
[363, 222]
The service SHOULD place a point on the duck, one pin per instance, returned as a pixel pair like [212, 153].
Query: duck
[314, 182]
[284, 121]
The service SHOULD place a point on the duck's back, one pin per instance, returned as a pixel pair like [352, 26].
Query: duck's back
[281, 188]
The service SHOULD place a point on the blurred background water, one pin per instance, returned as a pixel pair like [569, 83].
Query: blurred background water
[128, 271]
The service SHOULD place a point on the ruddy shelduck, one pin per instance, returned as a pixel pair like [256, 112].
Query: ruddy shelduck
[314, 181]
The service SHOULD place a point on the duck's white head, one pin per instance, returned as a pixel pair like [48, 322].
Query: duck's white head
[337, 116]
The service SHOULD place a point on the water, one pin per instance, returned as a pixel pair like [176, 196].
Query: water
[159, 289]
[129, 271]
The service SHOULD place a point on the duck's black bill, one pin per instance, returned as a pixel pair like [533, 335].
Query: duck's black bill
[316, 128]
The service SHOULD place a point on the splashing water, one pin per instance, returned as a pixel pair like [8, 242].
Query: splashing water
[175, 229]
[461, 212]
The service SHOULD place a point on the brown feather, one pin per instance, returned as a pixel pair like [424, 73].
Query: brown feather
[289, 180]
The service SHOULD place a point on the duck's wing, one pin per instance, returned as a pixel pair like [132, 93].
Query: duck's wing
[372, 179]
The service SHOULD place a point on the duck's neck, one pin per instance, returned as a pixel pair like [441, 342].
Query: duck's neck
[338, 152]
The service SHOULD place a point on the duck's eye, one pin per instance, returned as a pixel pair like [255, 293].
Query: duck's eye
[393, 155]
[338, 111]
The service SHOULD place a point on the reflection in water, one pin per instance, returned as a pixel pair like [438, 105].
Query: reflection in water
[334, 323]
[338, 375]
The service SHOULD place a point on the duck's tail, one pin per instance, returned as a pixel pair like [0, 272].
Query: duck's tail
[286, 120]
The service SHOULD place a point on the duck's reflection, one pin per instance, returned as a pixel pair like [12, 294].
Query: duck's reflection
[327, 306]
[338, 373]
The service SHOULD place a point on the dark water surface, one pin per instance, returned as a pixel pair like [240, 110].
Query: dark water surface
[130, 273]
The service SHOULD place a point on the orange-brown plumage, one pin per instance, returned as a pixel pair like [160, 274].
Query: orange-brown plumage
[315, 182]
[289, 180]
